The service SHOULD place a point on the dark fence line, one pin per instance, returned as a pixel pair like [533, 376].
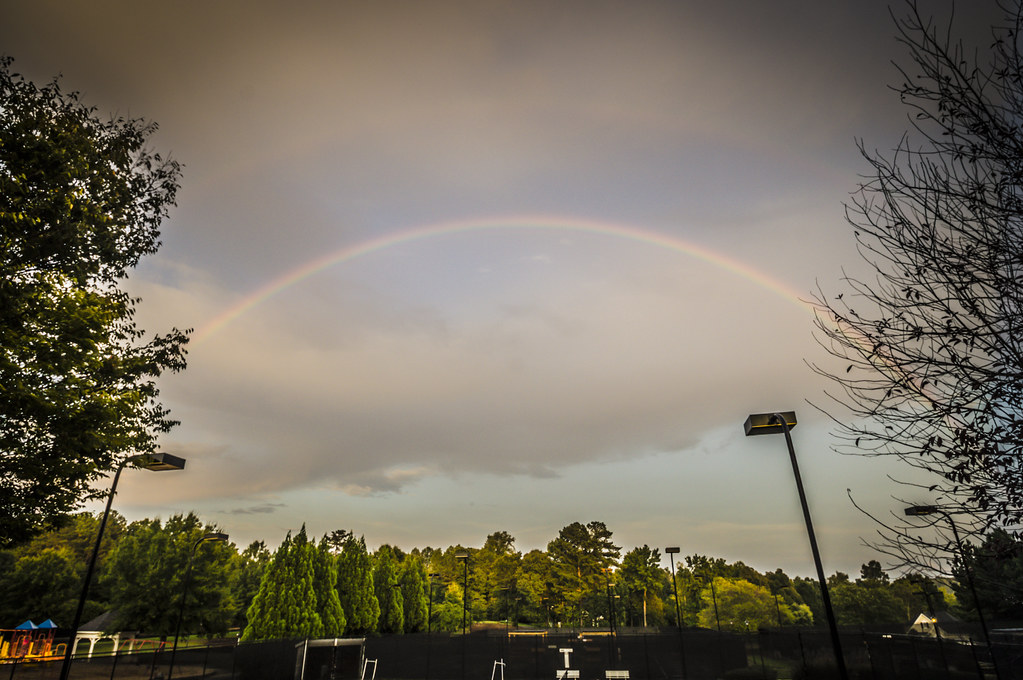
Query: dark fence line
[696, 654]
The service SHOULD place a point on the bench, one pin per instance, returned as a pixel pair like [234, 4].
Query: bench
[567, 675]
[616, 675]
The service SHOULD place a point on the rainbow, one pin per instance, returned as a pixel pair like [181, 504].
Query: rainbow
[567, 224]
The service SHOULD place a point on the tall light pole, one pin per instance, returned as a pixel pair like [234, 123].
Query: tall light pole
[773, 423]
[920, 510]
[157, 462]
[211, 536]
[672, 551]
[463, 557]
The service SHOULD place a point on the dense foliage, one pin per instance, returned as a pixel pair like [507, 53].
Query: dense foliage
[338, 587]
[81, 201]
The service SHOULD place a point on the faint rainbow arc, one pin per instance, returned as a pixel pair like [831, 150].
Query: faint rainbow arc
[350, 252]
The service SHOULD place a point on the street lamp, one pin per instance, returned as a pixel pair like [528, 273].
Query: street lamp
[920, 510]
[773, 423]
[212, 536]
[151, 461]
[672, 551]
[463, 557]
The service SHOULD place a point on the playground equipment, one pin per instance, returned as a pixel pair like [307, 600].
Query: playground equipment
[30, 642]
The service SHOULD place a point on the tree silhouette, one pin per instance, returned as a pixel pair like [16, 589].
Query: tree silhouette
[929, 339]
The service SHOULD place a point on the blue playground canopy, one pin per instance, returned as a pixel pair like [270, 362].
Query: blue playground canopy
[28, 625]
[48, 623]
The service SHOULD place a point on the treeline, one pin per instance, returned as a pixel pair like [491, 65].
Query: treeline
[333, 585]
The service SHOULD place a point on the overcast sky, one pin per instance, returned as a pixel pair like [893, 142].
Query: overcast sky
[461, 267]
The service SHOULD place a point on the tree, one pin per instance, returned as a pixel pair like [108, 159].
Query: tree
[579, 556]
[866, 603]
[145, 577]
[355, 587]
[641, 576]
[412, 581]
[286, 606]
[930, 338]
[246, 573]
[385, 583]
[328, 605]
[741, 606]
[42, 585]
[996, 566]
[81, 201]
[533, 579]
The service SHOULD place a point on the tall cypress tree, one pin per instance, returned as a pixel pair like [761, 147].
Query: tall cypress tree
[385, 581]
[412, 579]
[332, 615]
[285, 606]
[355, 587]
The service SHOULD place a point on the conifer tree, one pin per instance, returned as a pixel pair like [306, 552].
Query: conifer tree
[331, 613]
[385, 581]
[412, 579]
[285, 606]
[355, 587]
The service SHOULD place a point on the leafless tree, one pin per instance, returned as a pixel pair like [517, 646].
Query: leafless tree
[931, 339]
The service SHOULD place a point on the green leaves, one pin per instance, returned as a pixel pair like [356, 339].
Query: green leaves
[81, 201]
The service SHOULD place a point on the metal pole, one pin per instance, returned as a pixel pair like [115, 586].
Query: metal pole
[973, 591]
[678, 617]
[181, 608]
[829, 612]
[65, 667]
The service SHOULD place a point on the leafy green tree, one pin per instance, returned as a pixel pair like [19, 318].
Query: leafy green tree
[810, 592]
[412, 580]
[865, 604]
[580, 555]
[40, 586]
[285, 606]
[741, 606]
[494, 568]
[642, 577]
[246, 569]
[328, 605]
[388, 592]
[534, 583]
[447, 614]
[355, 587]
[81, 201]
[150, 561]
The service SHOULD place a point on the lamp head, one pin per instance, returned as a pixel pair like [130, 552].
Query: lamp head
[674, 550]
[462, 556]
[158, 461]
[769, 423]
[919, 510]
[215, 536]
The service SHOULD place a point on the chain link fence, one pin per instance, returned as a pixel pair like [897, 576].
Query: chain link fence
[774, 654]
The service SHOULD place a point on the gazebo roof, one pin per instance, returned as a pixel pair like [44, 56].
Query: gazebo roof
[99, 624]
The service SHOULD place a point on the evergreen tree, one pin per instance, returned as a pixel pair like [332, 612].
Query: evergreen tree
[355, 587]
[285, 606]
[332, 615]
[385, 582]
[412, 579]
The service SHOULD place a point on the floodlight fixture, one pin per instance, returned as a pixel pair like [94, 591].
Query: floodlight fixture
[769, 423]
[781, 422]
